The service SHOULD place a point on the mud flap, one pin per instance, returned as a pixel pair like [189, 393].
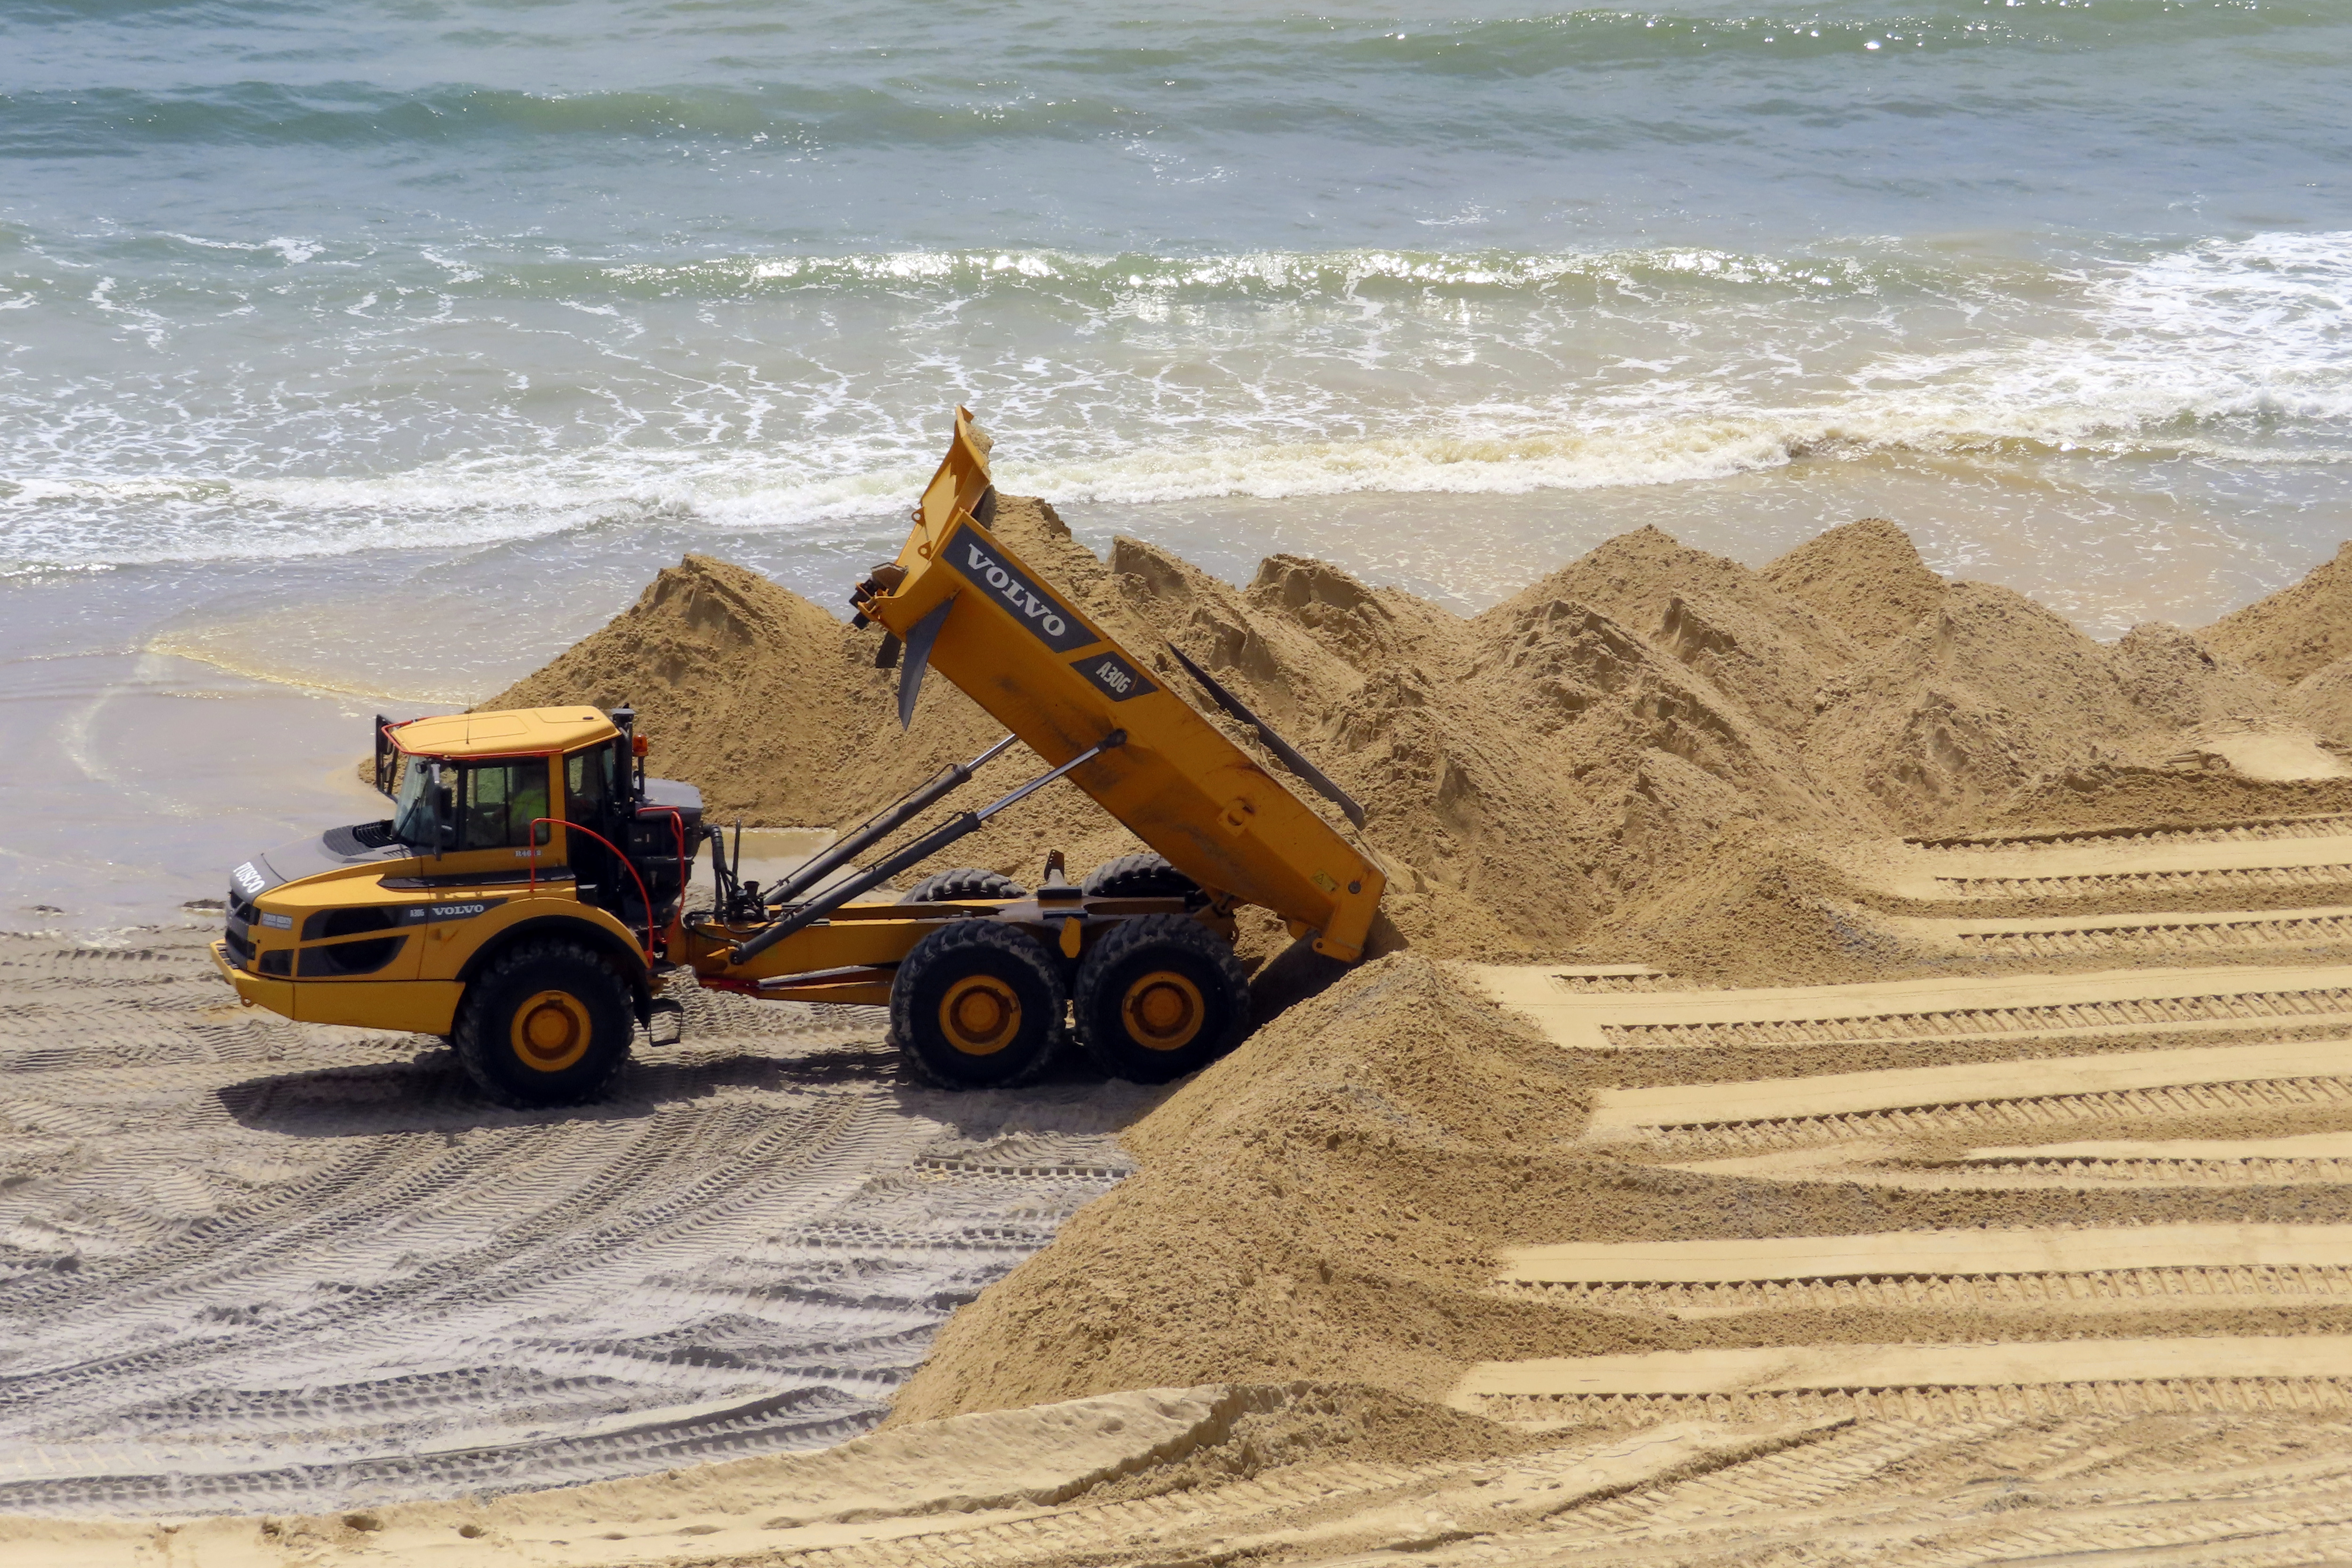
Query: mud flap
[924, 632]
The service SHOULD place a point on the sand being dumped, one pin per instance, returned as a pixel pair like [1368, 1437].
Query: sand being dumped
[1537, 776]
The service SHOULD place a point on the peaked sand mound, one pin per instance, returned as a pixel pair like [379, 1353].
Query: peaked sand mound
[1866, 577]
[1987, 692]
[2176, 679]
[2296, 630]
[2323, 700]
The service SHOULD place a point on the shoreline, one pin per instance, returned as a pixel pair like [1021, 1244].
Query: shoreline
[300, 648]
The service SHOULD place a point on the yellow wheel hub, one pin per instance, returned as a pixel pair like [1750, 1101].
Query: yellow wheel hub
[980, 1015]
[550, 1031]
[1164, 1011]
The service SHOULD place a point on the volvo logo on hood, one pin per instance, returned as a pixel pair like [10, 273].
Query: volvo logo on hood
[1049, 620]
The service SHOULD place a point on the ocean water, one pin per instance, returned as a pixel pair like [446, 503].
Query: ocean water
[365, 354]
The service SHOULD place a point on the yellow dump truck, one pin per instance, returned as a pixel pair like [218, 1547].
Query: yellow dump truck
[532, 892]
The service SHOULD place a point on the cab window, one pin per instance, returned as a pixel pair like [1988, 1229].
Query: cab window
[501, 802]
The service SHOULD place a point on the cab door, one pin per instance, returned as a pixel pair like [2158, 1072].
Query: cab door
[504, 806]
[591, 780]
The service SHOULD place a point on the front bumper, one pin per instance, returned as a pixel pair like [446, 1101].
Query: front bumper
[254, 990]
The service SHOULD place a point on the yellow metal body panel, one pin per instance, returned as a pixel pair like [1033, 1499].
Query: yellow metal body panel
[512, 733]
[451, 944]
[446, 927]
[450, 931]
[254, 990]
[1052, 677]
[421, 1007]
[424, 1007]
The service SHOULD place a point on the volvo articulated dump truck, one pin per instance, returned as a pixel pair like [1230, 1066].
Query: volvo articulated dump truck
[533, 894]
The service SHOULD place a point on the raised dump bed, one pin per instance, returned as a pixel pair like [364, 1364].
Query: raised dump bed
[965, 604]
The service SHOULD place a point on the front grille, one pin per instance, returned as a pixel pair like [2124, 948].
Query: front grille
[239, 950]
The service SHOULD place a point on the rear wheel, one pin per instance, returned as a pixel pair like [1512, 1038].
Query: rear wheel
[546, 1024]
[977, 1006]
[1158, 997]
[961, 886]
[1139, 877]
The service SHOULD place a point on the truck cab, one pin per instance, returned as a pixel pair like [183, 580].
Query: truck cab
[518, 900]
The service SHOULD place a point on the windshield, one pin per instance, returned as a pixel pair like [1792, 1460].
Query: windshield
[412, 807]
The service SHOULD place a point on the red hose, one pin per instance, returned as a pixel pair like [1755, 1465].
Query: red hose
[623, 859]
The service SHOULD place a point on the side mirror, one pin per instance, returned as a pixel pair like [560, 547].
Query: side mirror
[387, 758]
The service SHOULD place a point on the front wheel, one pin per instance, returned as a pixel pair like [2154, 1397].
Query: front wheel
[1158, 997]
[977, 1006]
[546, 1024]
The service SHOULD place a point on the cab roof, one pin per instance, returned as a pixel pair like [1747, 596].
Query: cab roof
[516, 731]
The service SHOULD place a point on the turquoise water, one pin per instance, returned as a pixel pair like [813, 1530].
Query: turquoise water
[307, 279]
[371, 351]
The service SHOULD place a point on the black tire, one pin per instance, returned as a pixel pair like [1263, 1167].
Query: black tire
[1139, 877]
[1147, 962]
[941, 1007]
[547, 1023]
[962, 885]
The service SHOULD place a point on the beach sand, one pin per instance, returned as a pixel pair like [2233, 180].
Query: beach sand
[1853, 1065]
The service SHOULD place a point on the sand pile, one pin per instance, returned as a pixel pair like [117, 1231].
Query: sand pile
[2180, 682]
[2298, 630]
[2322, 702]
[1539, 776]
[2301, 636]
[1328, 1201]
[1313, 1200]
[1985, 693]
[1754, 910]
[1866, 577]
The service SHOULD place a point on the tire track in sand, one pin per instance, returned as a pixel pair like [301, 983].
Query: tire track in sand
[246, 1264]
[2005, 1318]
